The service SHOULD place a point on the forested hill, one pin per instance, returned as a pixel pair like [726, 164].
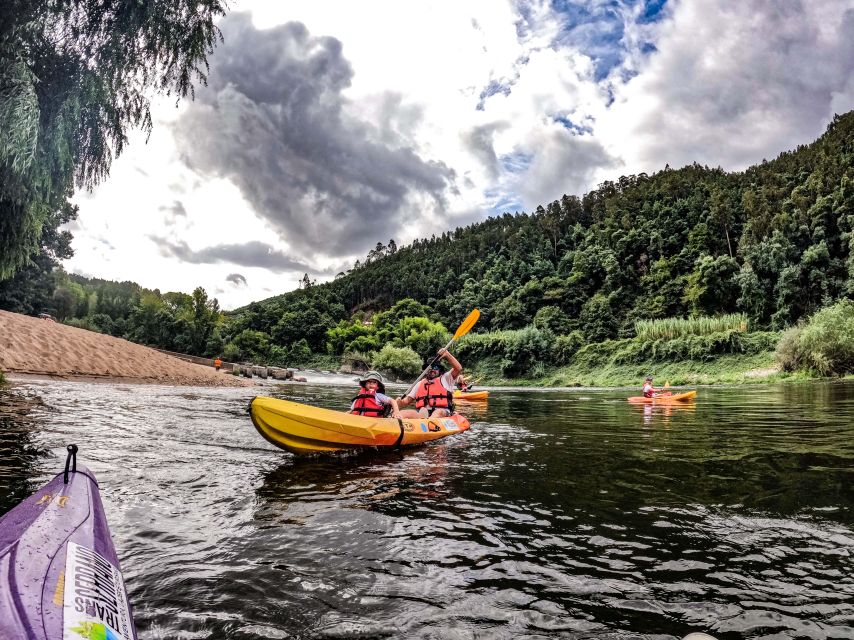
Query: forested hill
[773, 242]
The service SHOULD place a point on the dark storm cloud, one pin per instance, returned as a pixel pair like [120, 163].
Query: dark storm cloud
[236, 279]
[272, 121]
[250, 254]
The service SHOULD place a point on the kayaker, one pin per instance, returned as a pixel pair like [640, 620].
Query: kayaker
[434, 395]
[462, 384]
[372, 400]
[650, 391]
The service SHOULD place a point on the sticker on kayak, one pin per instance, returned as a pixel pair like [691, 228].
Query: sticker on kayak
[96, 606]
[450, 425]
[424, 427]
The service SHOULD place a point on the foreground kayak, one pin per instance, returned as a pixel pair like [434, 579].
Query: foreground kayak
[671, 398]
[303, 429]
[471, 395]
[59, 575]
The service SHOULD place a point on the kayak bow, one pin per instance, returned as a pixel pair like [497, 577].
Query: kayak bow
[303, 429]
[59, 574]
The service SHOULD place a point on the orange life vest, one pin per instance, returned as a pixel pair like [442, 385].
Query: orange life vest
[432, 393]
[366, 404]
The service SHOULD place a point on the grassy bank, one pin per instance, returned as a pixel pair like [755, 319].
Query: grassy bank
[729, 357]
[726, 369]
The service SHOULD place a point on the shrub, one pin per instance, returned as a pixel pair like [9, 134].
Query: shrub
[565, 347]
[230, 352]
[524, 348]
[826, 343]
[300, 352]
[787, 352]
[403, 362]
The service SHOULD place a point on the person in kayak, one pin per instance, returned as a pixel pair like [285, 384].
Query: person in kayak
[462, 383]
[650, 391]
[372, 400]
[434, 395]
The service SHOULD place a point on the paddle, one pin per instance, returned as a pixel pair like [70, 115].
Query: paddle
[462, 330]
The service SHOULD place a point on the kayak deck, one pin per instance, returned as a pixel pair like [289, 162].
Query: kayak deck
[304, 430]
[673, 398]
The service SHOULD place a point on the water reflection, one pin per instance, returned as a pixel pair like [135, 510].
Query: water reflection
[560, 514]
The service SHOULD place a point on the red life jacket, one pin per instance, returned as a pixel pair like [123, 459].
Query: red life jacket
[365, 404]
[432, 393]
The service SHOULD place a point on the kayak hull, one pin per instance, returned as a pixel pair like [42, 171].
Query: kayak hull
[305, 430]
[471, 395]
[59, 574]
[675, 398]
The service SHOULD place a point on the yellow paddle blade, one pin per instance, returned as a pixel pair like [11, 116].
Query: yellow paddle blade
[467, 324]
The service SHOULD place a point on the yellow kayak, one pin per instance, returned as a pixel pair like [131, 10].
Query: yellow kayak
[669, 398]
[470, 395]
[303, 429]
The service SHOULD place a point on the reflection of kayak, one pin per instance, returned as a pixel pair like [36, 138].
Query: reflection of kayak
[302, 429]
[672, 398]
[59, 575]
[470, 395]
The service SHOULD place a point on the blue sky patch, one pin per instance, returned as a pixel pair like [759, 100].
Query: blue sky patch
[569, 125]
[598, 29]
[516, 162]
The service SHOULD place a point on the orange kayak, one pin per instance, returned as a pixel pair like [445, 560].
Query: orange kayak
[670, 398]
[471, 395]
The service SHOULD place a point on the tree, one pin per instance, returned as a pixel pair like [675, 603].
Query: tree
[30, 290]
[75, 76]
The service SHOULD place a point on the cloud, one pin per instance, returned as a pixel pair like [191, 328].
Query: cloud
[733, 86]
[236, 279]
[273, 121]
[250, 254]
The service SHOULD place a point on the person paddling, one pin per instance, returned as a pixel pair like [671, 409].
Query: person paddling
[650, 391]
[462, 384]
[372, 400]
[434, 395]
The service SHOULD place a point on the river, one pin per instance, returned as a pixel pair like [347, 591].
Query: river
[569, 514]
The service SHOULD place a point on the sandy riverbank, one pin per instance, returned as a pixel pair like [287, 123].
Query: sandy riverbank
[35, 347]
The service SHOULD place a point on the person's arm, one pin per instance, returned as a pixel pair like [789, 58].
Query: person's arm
[456, 367]
[405, 401]
[395, 409]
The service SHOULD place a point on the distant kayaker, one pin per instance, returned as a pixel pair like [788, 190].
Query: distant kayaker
[650, 391]
[372, 400]
[462, 384]
[434, 395]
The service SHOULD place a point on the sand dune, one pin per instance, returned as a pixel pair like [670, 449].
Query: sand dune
[41, 347]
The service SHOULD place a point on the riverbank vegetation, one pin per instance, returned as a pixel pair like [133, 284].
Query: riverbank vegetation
[687, 271]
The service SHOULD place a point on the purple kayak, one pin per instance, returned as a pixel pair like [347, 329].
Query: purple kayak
[59, 574]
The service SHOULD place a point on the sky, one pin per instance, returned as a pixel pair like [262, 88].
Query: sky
[327, 126]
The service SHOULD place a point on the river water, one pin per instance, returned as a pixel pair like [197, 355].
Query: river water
[569, 514]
